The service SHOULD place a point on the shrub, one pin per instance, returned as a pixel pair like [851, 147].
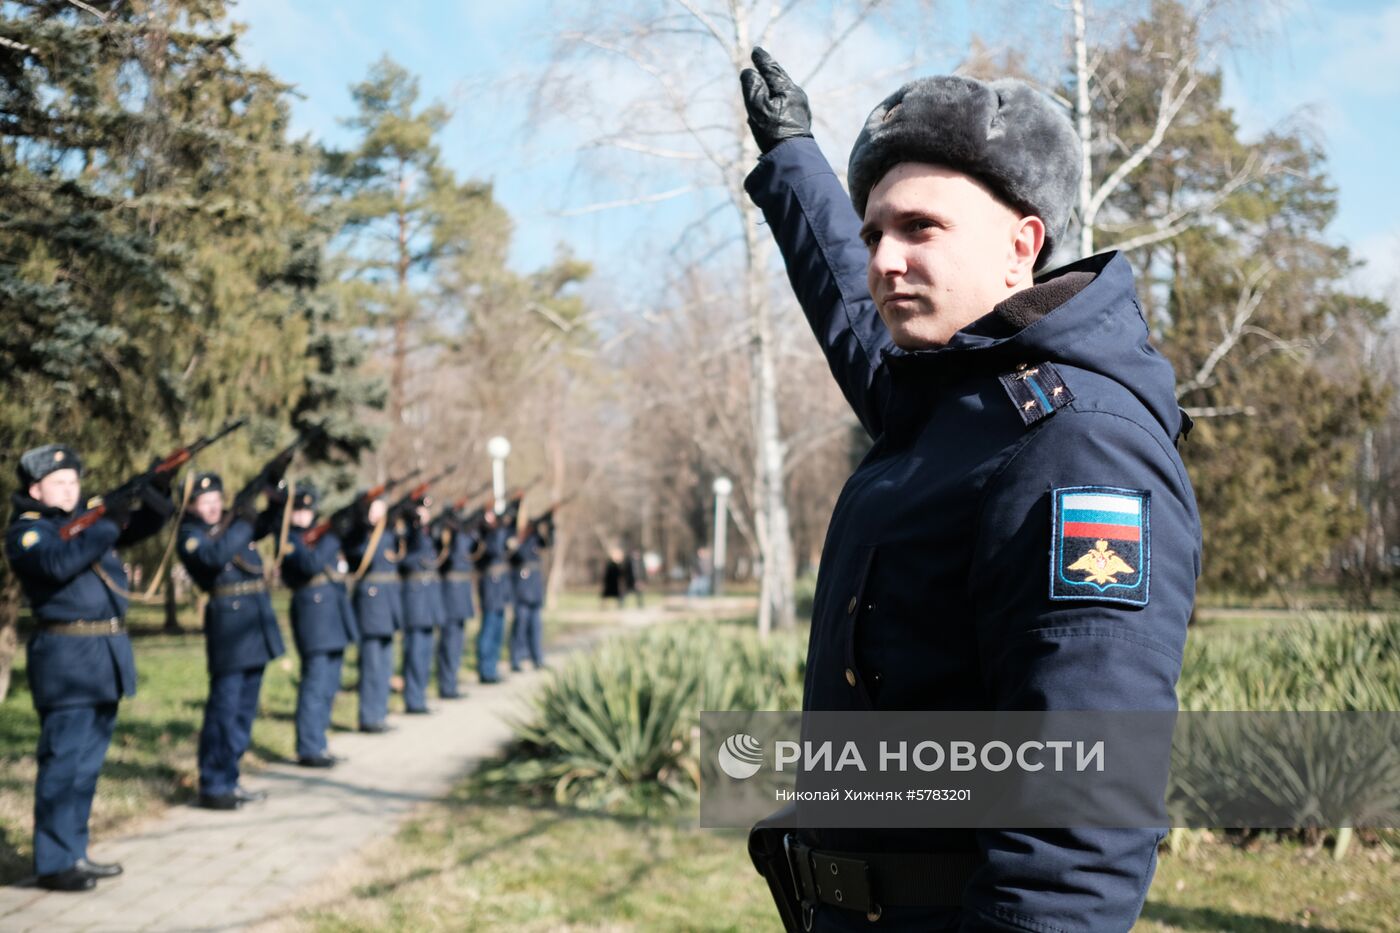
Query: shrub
[616, 729]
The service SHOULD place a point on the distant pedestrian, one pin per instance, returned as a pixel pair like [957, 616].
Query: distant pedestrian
[613, 579]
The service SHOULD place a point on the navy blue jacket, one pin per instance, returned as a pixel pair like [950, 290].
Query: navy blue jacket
[457, 576]
[493, 561]
[422, 583]
[957, 571]
[240, 628]
[60, 586]
[322, 619]
[527, 572]
[378, 592]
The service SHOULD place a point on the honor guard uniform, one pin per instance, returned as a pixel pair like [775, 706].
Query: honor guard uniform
[80, 662]
[1022, 535]
[458, 539]
[371, 549]
[241, 634]
[322, 625]
[422, 606]
[527, 576]
[493, 563]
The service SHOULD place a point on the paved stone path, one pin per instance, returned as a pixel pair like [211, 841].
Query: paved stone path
[198, 870]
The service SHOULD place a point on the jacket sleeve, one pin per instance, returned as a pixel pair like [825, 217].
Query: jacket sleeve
[818, 233]
[212, 553]
[1040, 649]
[302, 559]
[49, 557]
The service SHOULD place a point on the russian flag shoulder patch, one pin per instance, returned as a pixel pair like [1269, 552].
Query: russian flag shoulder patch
[1100, 544]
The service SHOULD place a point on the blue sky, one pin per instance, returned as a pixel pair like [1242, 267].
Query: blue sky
[1334, 66]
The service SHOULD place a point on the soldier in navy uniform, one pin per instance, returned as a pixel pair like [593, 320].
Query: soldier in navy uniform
[371, 549]
[1022, 535]
[459, 539]
[80, 662]
[493, 563]
[527, 574]
[422, 605]
[322, 625]
[240, 630]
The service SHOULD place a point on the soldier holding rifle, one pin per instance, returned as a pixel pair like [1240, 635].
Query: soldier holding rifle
[322, 625]
[493, 561]
[80, 660]
[240, 628]
[371, 549]
[422, 593]
[526, 635]
[459, 534]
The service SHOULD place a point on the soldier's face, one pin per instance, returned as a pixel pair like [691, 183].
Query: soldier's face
[209, 506]
[61, 489]
[377, 510]
[943, 251]
[302, 518]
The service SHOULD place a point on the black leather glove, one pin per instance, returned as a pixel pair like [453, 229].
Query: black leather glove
[245, 508]
[156, 498]
[118, 510]
[268, 521]
[161, 482]
[777, 107]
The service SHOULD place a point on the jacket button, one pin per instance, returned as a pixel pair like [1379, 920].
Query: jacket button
[851, 607]
[316, 598]
[235, 604]
[850, 677]
[374, 591]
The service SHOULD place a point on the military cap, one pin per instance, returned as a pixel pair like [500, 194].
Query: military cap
[207, 482]
[1004, 133]
[305, 497]
[38, 462]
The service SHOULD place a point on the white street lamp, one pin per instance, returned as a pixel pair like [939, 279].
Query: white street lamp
[499, 448]
[722, 488]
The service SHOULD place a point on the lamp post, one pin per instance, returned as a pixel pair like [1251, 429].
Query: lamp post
[499, 448]
[722, 487]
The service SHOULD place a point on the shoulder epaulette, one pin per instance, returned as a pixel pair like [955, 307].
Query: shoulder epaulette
[29, 516]
[1037, 391]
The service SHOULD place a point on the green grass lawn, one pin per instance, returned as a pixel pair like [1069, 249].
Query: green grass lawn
[477, 865]
[151, 763]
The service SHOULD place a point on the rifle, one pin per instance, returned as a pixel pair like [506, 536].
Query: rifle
[417, 493]
[131, 489]
[548, 513]
[362, 501]
[270, 476]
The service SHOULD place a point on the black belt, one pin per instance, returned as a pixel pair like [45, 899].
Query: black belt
[870, 881]
[85, 627]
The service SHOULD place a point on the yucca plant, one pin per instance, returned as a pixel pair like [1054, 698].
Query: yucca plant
[614, 729]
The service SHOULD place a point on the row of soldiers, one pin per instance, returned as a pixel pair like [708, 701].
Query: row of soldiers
[368, 571]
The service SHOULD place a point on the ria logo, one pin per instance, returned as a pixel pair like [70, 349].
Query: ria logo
[740, 756]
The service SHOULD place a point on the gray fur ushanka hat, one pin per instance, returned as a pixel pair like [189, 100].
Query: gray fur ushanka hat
[1004, 133]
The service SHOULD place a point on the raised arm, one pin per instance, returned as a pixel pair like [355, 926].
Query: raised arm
[818, 233]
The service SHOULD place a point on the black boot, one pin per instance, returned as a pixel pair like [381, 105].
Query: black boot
[71, 879]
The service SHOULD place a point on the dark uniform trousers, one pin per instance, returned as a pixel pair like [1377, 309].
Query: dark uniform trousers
[953, 576]
[76, 680]
[378, 611]
[323, 623]
[451, 639]
[526, 637]
[241, 636]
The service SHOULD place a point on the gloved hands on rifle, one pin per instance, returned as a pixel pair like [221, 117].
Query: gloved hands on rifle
[269, 521]
[245, 507]
[777, 107]
[155, 496]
